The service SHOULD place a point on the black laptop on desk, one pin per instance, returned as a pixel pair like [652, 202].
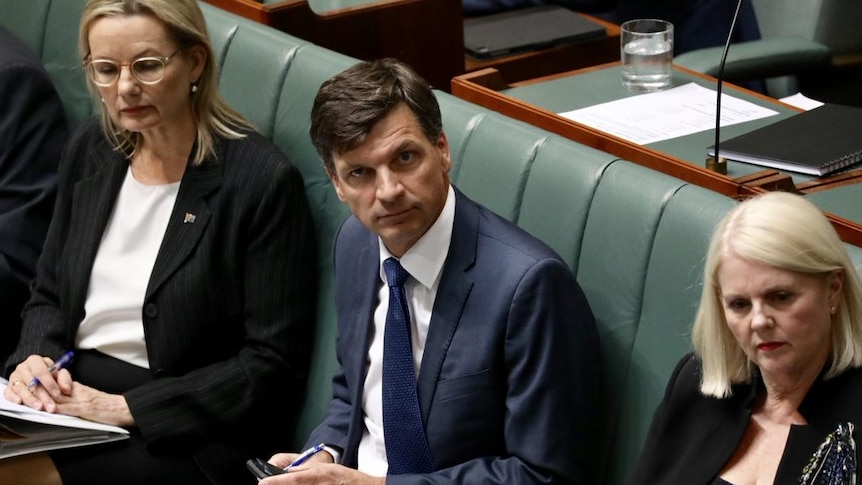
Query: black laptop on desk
[526, 29]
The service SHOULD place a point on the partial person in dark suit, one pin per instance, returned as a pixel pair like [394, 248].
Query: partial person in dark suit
[773, 391]
[492, 320]
[178, 267]
[697, 23]
[485, 7]
[33, 131]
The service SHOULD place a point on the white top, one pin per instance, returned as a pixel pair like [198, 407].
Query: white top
[113, 323]
[424, 261]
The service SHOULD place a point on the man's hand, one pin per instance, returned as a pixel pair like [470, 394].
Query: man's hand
[317, 472]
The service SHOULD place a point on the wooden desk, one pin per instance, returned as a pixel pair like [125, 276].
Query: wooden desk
[568, 57]
[538, 101]
[427, 34]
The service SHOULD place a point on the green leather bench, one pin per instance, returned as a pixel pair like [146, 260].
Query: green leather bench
[635, 238]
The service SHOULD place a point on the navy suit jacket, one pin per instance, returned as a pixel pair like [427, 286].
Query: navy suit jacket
[508, 383]
[228, 309]
[693, 436]
[33, 132]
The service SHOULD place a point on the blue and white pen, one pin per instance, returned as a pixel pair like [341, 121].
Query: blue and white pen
[60, 363]
[305, 455]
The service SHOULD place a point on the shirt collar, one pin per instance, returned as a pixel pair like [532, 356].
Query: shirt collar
[424, 260]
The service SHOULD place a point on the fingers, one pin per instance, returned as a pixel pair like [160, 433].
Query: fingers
[37, 394]
[64, 380]
[38, 366]
[11, 391]
[283, 459]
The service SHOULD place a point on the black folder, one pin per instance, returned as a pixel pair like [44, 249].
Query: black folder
[526, 29]
[816, 142]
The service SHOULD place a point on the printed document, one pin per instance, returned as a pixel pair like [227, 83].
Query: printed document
[652, 117]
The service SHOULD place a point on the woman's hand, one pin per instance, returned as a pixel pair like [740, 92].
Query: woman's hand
[42, 395]
[94, 405]
[58, 393]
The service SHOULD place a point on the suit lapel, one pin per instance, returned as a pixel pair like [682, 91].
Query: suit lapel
[367, 271]
[455, 285]
[357, 313]
[94, 199]
[189, 219]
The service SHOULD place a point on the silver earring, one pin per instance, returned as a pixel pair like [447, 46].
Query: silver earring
[194, 87]
[832, 310]
[103, 100]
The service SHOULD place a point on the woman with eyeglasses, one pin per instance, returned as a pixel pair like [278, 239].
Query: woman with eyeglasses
[177, 269]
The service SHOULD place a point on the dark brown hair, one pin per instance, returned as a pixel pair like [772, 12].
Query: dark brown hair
[348, 105]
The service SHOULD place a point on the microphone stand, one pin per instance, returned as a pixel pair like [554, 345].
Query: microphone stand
[718, 163]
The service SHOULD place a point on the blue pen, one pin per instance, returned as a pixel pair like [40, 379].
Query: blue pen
[62, 362]
[305, 456]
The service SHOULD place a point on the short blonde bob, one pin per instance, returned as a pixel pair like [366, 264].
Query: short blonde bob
[187, 26]
[784, 231]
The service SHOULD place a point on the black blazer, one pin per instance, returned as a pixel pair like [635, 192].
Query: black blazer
[508, 383]
[692, 436]
[33, 132]
[229, 304]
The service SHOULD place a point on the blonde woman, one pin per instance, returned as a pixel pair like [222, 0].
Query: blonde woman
[176, 268]
[773, 391]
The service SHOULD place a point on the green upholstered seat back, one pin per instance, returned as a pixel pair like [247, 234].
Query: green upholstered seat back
[271, 78]
[635, 238]
[50, 29]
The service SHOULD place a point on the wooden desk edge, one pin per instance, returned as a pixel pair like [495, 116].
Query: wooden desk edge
[473, 87]
[482, 87]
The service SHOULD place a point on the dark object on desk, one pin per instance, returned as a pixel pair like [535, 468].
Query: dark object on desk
[817, 142]
[526, 30]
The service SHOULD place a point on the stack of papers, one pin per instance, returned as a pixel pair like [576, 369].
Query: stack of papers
[653, 117]
[25, 430]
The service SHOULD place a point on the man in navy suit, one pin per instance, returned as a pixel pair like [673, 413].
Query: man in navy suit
[33, 132]
[504, 346]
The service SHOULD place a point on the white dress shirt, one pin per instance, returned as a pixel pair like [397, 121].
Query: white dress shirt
[424, 261]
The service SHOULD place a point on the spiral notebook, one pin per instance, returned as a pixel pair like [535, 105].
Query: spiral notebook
[818, 142]
[526, 29]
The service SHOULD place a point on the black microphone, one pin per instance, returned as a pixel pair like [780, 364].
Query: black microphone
[717, 163]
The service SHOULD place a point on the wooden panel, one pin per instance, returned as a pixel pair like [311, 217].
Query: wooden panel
[426, 34]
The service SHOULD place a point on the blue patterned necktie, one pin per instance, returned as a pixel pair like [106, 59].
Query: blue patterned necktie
[406, 446]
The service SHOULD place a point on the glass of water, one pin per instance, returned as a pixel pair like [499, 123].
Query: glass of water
[646, 51]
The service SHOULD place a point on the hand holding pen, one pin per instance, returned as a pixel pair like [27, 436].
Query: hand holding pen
[305, 455]
[261, 469]
[60, 363]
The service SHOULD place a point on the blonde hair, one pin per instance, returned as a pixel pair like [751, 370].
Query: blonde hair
[186, 24]
[788, 232]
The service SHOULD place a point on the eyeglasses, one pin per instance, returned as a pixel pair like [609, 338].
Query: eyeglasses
[147, 70]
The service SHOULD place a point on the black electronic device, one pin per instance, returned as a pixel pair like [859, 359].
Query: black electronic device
[262, 469]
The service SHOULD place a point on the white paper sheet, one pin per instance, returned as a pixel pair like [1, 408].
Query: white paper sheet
[29, 414]
[648, 118]
[801, 101]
